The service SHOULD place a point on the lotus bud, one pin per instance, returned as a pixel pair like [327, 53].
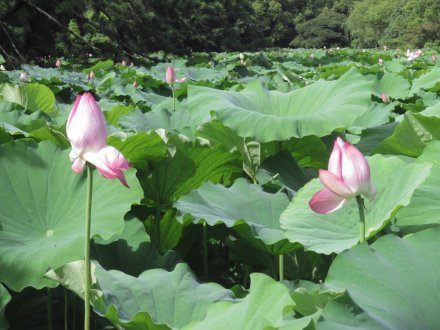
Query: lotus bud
[24, 76]
[170, 76]
[135, 84]
[90, 75]
[380, 61]
[348, 176]
[385, 98]
[58, 63]
[433, 58]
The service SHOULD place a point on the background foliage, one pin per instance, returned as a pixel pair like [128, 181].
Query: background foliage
[37, 28]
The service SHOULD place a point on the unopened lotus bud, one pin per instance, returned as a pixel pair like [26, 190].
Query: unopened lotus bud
[170, 75]
[135, 84]
[58, 63]
[385, 98]
[385, 47]
[380, 61]
[23, 76]
[124, 63]
[90, 75]
[2, 68]
[241, 56]
[433, 58]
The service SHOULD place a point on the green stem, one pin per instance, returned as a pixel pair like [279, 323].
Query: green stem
[281, 267]
[360, 203]
[49, 309]
[156, 225]
[74, 312]
[205, 251]
[174, 98]
[88, 277]
[66, 309]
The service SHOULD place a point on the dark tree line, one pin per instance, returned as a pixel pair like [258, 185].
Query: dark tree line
[35, 28]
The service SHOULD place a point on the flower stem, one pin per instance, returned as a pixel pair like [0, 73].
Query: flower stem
[360, 203]
[156, 227]
[88, 277]
[66, 309]
[174, 98]
[205, 251]
[281, 267]
[49, 309]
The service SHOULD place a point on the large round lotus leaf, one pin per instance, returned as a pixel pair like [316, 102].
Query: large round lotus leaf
[426, 81]
[242, 203]
[157, 299]
[411, 135]
[395, 181]
[393, 85]
[265, 307]
[255, 112]
[33, 97]
[5, 297]
[42, 217]
[394, 281]
[424, 209]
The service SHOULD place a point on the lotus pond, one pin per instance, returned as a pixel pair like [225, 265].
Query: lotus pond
[215, 230]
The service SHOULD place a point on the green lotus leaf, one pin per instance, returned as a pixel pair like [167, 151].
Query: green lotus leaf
[264, 115]
[266, 306]
[395, 181]
[139, 148]
[424, 208]
[5, 297]
[398, 277]
[42, 226]
[426, 81]
[392, 85]
[33, 97]
[411, 135]
[157, 299]
[187, 169]
[432, 111]
[241, 203]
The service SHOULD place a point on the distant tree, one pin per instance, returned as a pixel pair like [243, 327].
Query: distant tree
[327, 29]
[398, 23]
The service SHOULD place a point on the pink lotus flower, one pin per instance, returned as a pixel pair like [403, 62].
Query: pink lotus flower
[433, 58]
[24, 76]
[413, 55]
[348, 176]
[87, 133]
[170, 76]
[385, 98]
[58, 63]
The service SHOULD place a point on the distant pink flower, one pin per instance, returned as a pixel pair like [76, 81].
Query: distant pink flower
[385, 47]
[58, 63]
[135, 84]
[24, 76]
[90, 75]
[124, 63]
[348, 176]
[87, 133]
[380, 61]
[433, 58]
[413, 55]
[170, 76]
[385, 98]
